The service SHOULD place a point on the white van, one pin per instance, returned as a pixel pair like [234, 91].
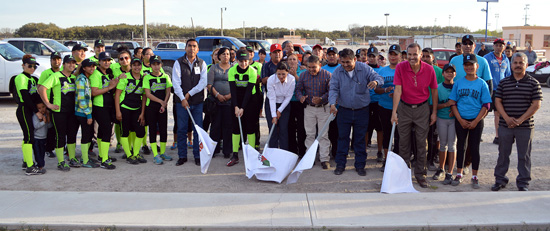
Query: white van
[10, 65]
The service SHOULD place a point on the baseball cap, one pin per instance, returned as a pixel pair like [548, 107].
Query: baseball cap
[262, 51]
[249, 49]
[275, 47]
[429, 50]
[332, 49]
[372, 51]
[242, 55]
[55, 54]
[68, 58]
[136, 60]
[99, 42]
[87, 63]
[468, 38]
[31, 60]
[79, 47]
[358, 52]
[470, 58]
[104, 56]
[155, 59]
[395, 48]
[317, 46]
[449, 65]
[499, 40]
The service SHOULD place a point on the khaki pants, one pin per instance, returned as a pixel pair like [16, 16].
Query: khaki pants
[317, 116]
[418, 118]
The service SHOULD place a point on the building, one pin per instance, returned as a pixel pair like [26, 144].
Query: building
[523, 36]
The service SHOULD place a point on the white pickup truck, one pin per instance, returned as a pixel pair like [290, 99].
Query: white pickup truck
[11, 65]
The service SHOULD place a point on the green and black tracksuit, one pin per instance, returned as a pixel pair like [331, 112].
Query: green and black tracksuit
[64, 119]
[242, 83]
[25, 95]
[145, 71]
[260, 100]
[130, 108]
[103, 110]
[158, 86]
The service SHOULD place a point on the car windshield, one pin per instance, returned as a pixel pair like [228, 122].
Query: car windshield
[56, 46]
[238, 43]
[10, 52]
[307, 48]
[265, 44]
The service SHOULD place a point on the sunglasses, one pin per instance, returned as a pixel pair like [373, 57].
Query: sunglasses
[124, 58]
[31, 66]
[468, 43]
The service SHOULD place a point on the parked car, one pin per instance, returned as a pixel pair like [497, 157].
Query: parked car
[130, 44]
[257, 44]
[170, 46]
[488, 47]
[71, 43]
[541, 72]
[38, 46]
[10, 65]
[442, 55]
[300, 49]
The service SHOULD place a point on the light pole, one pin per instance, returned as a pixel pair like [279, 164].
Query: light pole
[449, 23]
[222, 10]
[496, 27]
[387, 14]
[145, 43]
[486, 19]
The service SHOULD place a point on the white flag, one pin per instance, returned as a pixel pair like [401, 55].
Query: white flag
[206, 147]
[304, 164]
[397, 176]
[281, 162]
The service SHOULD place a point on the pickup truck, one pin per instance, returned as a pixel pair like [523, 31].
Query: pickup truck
[39, 46]
[10, 65]
[207, 44]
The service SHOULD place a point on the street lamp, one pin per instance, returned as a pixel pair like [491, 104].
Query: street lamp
[222, 10]
[387, 14]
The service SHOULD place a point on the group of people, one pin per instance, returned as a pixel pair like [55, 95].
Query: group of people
[431, 107]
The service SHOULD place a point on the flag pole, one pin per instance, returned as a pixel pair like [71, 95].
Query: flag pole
[392, 133]
[269, 137]
[325, 127]
[191, 116]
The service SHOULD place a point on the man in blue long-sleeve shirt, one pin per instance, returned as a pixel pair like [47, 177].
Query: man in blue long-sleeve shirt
[349, 86]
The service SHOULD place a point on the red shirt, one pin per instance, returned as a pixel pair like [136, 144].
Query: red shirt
[415, 92]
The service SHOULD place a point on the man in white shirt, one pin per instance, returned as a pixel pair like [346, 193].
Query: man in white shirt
[280, 88]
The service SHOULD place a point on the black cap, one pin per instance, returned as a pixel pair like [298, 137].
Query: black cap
[68, 58]
[470, 58]
[30, 60]
[395, 48]
[79, 47]
[242, 55]
[155, 59]
[55, 54]
[458, 44]
[372, 51]
[429, 50]
[468, 38]
[358, 52]
[104, 56]
[249, 49]
[262, 51]
[449, 65]
[332, 49]
[135, 60]
[87, 63]
[99, 42]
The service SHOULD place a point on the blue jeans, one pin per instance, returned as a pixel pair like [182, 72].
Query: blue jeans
[39, 150]
[359, 119]
[183, 123]
[279, 139]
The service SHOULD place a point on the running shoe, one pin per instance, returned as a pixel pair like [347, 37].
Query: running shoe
[62, 166]
[158, 160]
[74, 163]
[166, 157]
[33, 170]
[90, 164]
[140, 159]
[174, 146]
[438, 174]
[108, 165]
[448, 179]
[458, 179]
[475, 183]
[145, 150]
[118, 148]
[132, 160]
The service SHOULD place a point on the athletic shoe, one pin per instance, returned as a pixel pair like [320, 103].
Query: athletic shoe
[132, 160]
[233, 161]
[166, 157]
[379, 157]
[33, 170]
[74, 163]
[50, 154]
[198, 161]
[118, 148]
[140, 159]
[145, 150]
[448, 179]
[475, 183]
[174, 146]
[108, 165]
[189, 144]
[62, 166]
[458, 179]
[24, 166]
[181, 161]
[90, 164]
[157, 160]
[438, 174]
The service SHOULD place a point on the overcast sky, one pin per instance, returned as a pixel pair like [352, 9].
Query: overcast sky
[325, 15]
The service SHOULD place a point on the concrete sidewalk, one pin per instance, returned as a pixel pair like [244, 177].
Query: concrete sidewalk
[277, 211]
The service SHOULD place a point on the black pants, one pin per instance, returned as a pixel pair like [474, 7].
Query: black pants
[156, 120]
[260, 102]
[332, 135]
[433, 150]
[385, 118]
[105, 117]
[374, 120]
[222, 127]
[86, 130]
[296, 129]
[470, 138]
[39, 151]
[66, 128]
[130, 123]
[24, 117]
[50, 139]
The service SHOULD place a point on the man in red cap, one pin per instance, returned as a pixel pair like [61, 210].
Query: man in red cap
[319, 52]
[270, 68]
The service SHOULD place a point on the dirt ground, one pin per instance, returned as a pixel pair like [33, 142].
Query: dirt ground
[188, 178]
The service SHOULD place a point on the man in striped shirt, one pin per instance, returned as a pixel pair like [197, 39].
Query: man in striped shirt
[517, 98]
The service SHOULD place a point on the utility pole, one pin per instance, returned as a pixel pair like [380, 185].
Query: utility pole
[244, 32]
[435, 21]
[221, 10]
[496, 27]
[255, 33]
[364, 35]
[145, 43]
[449, 23]
[387, 43]
[526, 9]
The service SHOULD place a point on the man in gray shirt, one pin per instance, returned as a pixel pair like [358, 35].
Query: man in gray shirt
[349, 87]
[531, 56]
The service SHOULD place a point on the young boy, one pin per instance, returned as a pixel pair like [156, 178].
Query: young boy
[446, 126]
[40, 134]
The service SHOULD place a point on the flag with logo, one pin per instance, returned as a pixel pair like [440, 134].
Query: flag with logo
[282, 162]
[206, 146]
[397, 175]
[304, 164]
